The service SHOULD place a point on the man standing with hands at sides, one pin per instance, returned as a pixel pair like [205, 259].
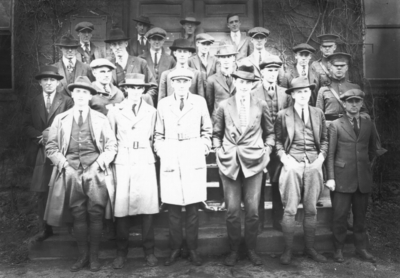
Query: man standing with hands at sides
[81, 146]
[302, 145]
[139, 45]
[240, 124]
[236, 38]
[126, 63]
[39, 116]
[182, 141]
[351, 151]
[133, 122]
[87, 51]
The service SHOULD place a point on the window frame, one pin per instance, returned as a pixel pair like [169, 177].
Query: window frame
[5, 92]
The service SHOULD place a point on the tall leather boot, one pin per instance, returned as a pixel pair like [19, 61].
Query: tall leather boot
[309, 237]
[80, 232]
[288, 234]
[95, 237]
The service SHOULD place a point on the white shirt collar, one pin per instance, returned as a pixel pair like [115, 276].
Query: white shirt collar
[124, 58]
[84, 47]
[299, 110]
[85, 111]
[66, 61]
[153, 53]
[236, 33]
[300, 69]
[45, 95]
[144, 38]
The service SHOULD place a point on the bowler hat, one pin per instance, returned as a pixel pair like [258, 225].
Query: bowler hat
[190, 19]
[258, 31]
[303, 47]
[271, 61]
[68, 41]
[84, 83]
[143, 19]
[299, 83]
[226, 50]
[102, 62]
[134, 79]
[182, 44]
[353, 93]
[156, 32]
[48, 71]
[84, 26]
[245, 72]
[116, 34]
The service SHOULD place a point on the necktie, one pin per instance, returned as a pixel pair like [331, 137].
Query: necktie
[181, 105]
[259, 58]
[303, 73]
[156, 62]
[228, 81]
[141, 40]
[80, 121]
[87, 50]
[302, 115]
[355, 127]
[271, 91]
[70, 66]
[133, 109]
[106, 91]
[243, 115]
[119, 60]
[235, 38]
[48, 103]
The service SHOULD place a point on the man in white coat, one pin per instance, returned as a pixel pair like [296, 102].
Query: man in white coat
[182, 140]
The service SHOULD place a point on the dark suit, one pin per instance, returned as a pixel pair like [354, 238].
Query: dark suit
[245, 47]
[241, 157]
[212, 66]
[166, 62]
[217, 90]
[80, 69]
[95, 53]
[135, 48]
[348, 162]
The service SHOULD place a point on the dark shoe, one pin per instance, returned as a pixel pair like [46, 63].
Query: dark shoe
[94, 263]
[310, 252]
[195, 258]
[277, 225]
[338, 256]
[254, 258]
[119, 262]
[204, 206]
[46, 233]
[286, 257]
[184, 252]
[232, 258]
[151, 260]
[82, 261]
[320, 204]
[173, 258]
[163, 207]
[222, 207]
[365, 255]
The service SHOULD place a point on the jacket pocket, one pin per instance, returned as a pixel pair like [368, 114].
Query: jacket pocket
[340, 164]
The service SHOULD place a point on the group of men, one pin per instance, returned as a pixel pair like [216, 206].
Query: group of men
[97, 125]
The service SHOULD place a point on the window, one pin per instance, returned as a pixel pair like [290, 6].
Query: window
[6, 42]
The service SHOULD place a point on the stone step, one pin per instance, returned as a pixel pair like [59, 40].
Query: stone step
[212, 241]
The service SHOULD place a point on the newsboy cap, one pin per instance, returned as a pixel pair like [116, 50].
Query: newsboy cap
[258, 31]
[84, 26]
[181, 74]
[271, 61]
[204, 37]
[353, 93]
[156, 32]
[303, 47]
[102, 62]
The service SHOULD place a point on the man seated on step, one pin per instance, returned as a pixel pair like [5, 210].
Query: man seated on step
[240, 124]
[302, 145]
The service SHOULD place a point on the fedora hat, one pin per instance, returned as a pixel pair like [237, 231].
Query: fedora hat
[299, 83]
[144, 20]
[84, 83]
[116, 34]
[189, 19]
[245, 72]
[226, 50]
[182, 44]
[134, 79]
[48, 71]
[68, 41]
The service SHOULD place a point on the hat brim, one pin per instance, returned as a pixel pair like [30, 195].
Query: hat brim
[226, 54]
[85, 28]
[122, 84]
[47, 75]
[144, 22]
[67, 45]
[290, 90]
[72, 86]
[191, 49]
[245, 77]
[156, 35]
[183, 21]
[117, 40]
[259, 33]
[350, 97]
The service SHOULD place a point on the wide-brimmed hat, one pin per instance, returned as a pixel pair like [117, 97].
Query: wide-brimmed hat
[299, 83]
[102, 62]
[258, 31]
[181, 73]
[116, 34]
[84, 26]
[226, 50]
[84, 83]
[182, 44]
[156, 32]
[189, 19]
[134, 79]
[143, 19]
[271, 61]
[68, 41]
[303, 47]
[245, 72]
[353, 93]
[48, 71]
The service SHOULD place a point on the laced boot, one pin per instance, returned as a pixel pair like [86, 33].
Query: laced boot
[309, 236]
[80, 230]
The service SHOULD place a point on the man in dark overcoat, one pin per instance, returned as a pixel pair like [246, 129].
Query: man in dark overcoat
[87, 51]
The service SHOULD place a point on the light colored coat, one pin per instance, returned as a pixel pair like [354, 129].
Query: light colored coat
[57, 210]
[183, 173]
[135, 172]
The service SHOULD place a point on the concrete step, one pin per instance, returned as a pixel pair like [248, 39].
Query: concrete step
[215, 193]
[212, 241]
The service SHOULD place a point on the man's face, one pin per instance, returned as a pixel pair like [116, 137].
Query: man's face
[259, 41]
[68, 52]
[234, 23]
[81, 97]
[270, 74]
[181, 86]
[203, 47]
[301, 96]
[103, 75]
[353, 105]
[119, 47]
[227, 61]
[338, 69]
[243, 87]
[302, 58]
[85, 35]
[49, 84]
[182, 55]
[189, 28]
[134, 93]
[327, 48]
[142, 28]
[156, 42]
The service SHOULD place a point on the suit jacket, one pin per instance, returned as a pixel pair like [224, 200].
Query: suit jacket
[81, 69]
[212, 65]
[284, 100]
[36, 121]
[216, 91]
[242, 150]
[245, 47]
[166, 89]
[349, 156]
[166, 62]
[95, 53]
[135, 48]
[137, 65]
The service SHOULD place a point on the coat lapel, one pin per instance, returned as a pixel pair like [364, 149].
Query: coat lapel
[141, 113]
[210, 64]
[42, 108]
[242, 40]
[221, 80]
[131, 65]
[96, 126]
[315, 124]
[289, 120]
[61, 70]
[54, 106]
[348, 127]
[78, 69]
[252, 114]
[67, 127]
[197, 62]
[187, 107]
[232, 108]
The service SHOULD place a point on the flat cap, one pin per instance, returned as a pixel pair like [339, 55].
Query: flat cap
[339, 57]
[353, 93]
[327, 38]
[156, 32]
[258, 31]
[203, 37]
[84, 25]
[181, 74]
[271, 61]
[102, 62]
[303, 47]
